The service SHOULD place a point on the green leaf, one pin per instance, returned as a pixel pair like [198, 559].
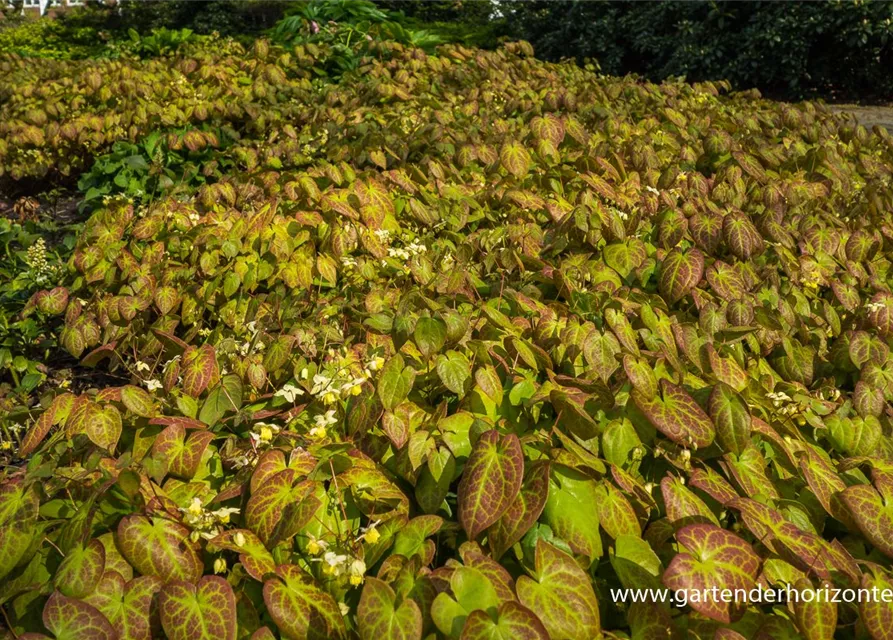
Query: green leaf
[873, 515]
[570, 510]
[202, 611]
[491, 480]
[300, 609]
[128, 606]
[454, 371]
[816, 617]
[253, 555]
[380, 615]
[430, 335]
[560, 594]
[395, 382]
[223, 399]
[471, 591]
[198, 367]
[137, 401]
[102, 425]
[635, 563]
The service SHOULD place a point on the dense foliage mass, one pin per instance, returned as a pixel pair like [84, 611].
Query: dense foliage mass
[838, 49]
[450, 348]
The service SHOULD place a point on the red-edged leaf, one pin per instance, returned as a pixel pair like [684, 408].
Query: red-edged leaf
[524, 510]
[71, 619]
[301, 609]
[490, 482]
[560, 594]
[680, 272]
[252, 553]
[513, 621]
[202, 611]
[128, 606]
[381, 615]
[159, 547]
[711, 557]
[675, 414]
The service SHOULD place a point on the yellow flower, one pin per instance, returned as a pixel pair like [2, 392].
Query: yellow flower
[195, 508]
[266, 434]
[329, 398]
[313, 547]
[356, 580]
[220, 565]
[372, 535]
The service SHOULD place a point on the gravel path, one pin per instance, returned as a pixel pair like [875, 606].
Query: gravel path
[869, 116]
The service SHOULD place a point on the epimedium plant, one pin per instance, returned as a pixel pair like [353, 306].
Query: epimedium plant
[459, 348]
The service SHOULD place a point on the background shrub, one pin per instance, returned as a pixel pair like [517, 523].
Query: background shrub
[836, 49]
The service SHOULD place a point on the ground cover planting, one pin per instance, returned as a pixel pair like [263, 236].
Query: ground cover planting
[449, 346]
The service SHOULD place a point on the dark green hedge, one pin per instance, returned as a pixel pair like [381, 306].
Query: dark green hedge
[835, 49]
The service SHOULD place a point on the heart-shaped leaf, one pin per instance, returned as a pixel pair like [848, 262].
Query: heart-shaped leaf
[877, 615]
[137, 401]
[395, 382]
[490, 482]
[81, 570]
[731, 417]
[515, 159]
[71, 619]
[18, 516]
[128, 606]
[300, 609]
[198, 368]
[560, 594]
[675, 414]
[379, 615]
[202, 611]
[470, 590]
[816, 616]
[524, 510]
[282, 492]
[683, 506]
[454, 370]
[252, 553]
[872, 514]
[513, 621]
[567, 513]
[156, 546]
[680, 272]
[711, 557]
